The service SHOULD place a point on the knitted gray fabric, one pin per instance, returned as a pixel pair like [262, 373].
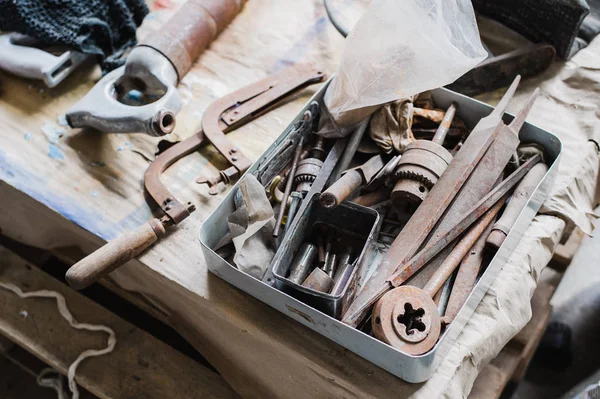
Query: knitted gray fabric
[105, 28]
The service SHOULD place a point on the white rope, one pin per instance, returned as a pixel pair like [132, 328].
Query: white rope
[64, 311]
[50, 378]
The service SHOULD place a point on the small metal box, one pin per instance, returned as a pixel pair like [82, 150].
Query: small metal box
[358, 221]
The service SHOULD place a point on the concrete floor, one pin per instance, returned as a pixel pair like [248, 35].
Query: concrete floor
[576, 303]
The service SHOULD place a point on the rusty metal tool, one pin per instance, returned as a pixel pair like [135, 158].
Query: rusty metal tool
[20, 56]
[482, 180]
[275, 87]
[306, 174]
[516, 204]
[422, 222]
[422, 164]
[442, 240]
[288, 185]
[407, 317]
[405, 308]
[350, 181]
[465, 278]
[154, 68]
[225, 114]
[351, 147]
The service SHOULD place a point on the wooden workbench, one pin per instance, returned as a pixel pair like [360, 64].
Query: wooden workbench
[71, 190]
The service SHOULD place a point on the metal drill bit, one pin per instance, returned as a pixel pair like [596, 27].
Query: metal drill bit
[288, 186]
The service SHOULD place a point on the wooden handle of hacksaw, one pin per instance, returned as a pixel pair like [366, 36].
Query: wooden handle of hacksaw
[114, 254]
[191, 30]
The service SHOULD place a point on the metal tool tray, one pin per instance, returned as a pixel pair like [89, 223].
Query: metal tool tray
[410, 368]
[349, 217]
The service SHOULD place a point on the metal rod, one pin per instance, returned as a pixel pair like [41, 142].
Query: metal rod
[516, 204]
[351, 148]
[466, 277]
[460, 250]
[288, 186]
[342, 277]
[330, 266]
[302, 263]
[442, 130]
[294, 205]
[483, 206]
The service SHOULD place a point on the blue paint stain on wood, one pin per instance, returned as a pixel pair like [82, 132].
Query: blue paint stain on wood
[54, 152]
[52, 133]
[36, 187]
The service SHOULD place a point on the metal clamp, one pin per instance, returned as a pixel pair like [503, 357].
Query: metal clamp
[250, 102]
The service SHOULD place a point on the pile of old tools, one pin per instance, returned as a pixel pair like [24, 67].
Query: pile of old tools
[448, 230]
[444, 211]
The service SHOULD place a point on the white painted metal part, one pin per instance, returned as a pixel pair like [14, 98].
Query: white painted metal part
[19, 57]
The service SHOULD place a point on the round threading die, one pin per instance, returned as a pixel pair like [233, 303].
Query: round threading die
[407, 319]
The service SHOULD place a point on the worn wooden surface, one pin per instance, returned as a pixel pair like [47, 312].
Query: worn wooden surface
[71, 193]
[140, 366]
[259, 351]
[20, 370]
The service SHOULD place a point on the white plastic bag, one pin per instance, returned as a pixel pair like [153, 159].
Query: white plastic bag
[400, 48]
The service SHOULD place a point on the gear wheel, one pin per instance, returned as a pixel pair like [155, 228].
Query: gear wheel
[420, 167]
[405, 174]
[307, 172]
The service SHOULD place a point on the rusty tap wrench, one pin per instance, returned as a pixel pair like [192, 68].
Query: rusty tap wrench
[248, 103]
[154, 67]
